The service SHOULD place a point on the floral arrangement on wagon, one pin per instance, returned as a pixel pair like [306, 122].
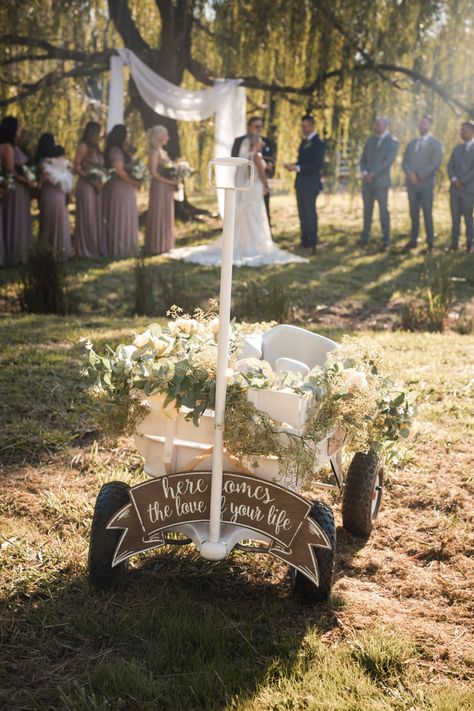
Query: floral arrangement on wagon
[176, 364]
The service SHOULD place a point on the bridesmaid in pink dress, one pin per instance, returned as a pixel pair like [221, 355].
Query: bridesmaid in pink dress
[17, 227]
[159, 229]
[89, 224]
[54, 213]
[119, 198]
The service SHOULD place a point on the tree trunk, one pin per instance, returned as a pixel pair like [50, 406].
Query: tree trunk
[169, 61]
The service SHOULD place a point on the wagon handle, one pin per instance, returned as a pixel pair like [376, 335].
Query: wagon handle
[214, 549]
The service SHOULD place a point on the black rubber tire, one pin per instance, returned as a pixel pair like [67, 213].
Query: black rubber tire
[103, 542]
[303, 588]
[364, 479]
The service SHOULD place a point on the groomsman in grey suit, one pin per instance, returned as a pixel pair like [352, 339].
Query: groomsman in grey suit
[379, 153]
[461, 174]
[421, 162]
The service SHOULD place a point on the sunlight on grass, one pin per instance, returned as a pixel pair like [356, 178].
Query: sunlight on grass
[183, 633]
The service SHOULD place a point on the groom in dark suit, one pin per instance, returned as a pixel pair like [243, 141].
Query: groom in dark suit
[255, 127]
[308, 182]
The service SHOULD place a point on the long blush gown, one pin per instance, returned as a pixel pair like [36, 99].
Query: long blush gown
[120, 214]
[159, 228]
[17, 226]
[89, 223]
[54, 219]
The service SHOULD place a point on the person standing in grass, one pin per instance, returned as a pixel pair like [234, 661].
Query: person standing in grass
[159, 229]
[55, 186]
[16, 204]
[379, 153]
[461, 175]
[421, 162]
[308, 181]
[89, 225]
[119, 200]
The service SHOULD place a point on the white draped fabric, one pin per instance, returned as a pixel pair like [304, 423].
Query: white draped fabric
[226, 99]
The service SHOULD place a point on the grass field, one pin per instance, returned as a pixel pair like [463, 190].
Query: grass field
[184, 634]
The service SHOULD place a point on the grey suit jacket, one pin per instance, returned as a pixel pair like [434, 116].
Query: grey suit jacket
[377, 159]
[461, 166]
[425, 161]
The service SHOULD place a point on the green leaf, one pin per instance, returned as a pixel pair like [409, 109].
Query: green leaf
[398, 400]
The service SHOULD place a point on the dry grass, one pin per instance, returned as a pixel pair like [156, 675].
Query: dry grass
[183, 634]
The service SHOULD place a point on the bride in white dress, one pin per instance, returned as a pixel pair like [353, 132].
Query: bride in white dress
[253, 244]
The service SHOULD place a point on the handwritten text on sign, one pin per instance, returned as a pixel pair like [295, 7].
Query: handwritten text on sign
[246, 501]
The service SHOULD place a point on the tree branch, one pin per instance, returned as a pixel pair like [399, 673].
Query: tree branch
[51, 50]
[352, 42]
[51, 79]
[25, 58]
[122, 17]
[200, 73]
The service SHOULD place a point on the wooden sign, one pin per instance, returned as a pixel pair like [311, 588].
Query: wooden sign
[247, 501]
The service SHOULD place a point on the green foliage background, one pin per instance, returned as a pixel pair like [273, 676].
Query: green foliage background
[289, 42]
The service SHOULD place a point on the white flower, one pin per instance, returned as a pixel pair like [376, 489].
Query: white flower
[142, 339]
[161, 345]
[187, 326]
[214, 325]
[248, 365]
[354, 378]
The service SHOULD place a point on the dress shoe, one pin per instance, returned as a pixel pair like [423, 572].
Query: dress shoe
[452, 248]
[428, 250]
[408, 247]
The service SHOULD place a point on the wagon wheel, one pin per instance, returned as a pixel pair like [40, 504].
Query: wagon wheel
[362, 493]
[103, 542]
[302, 586]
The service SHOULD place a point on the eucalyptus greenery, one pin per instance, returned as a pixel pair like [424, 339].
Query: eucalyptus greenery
[179, 360]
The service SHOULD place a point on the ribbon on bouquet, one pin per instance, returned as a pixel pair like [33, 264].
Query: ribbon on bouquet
[162, 504]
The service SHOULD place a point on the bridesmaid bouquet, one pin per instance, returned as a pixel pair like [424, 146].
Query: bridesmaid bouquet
[177, 171]
[27, 172]
[137, 170]
[7, 182]
[97, 175]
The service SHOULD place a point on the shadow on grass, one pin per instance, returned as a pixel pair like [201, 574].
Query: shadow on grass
[364, 281]
[181, 634]
[44, 400]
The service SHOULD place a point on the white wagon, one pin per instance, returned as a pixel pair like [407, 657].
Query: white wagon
[214, 501]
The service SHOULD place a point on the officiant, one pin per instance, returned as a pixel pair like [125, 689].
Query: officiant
[241, 149]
